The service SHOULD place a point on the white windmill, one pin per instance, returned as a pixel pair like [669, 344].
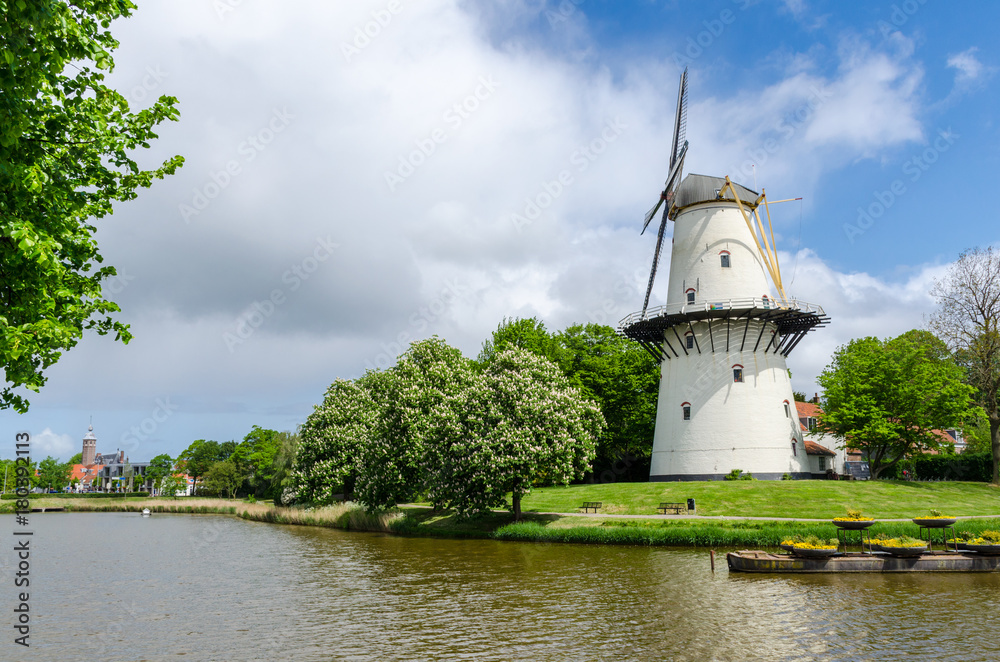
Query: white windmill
[725, 399]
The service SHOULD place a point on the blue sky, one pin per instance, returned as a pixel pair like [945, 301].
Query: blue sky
[356, 171]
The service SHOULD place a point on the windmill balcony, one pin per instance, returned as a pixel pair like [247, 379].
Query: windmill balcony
[790, 321]
[730, 305]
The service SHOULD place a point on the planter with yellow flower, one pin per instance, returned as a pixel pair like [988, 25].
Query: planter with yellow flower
[854, 521]
[903, 546]
[815, 547]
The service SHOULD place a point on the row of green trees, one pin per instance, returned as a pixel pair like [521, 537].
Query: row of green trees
[459, 433]
[259, 466]
[612, 371]
[885, 397]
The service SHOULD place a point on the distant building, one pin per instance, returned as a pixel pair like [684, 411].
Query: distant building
[823, 452]
[106, 472]
[840, 460]
[89, 447]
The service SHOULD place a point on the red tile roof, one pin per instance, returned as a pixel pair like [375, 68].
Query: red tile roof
[806, 410]
[80, 472]
[812, 448]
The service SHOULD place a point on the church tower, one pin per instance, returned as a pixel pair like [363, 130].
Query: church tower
[89, 447]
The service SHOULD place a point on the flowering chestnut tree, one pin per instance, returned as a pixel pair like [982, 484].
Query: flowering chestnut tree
[394, 459]
[329, 454]
[517, 424]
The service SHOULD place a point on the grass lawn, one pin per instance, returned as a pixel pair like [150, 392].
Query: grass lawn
[819, 499]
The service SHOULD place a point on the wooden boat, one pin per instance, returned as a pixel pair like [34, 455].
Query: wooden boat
[748, 560]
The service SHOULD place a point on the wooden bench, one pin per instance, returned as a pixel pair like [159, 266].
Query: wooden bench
[677, 508]
[587, 505]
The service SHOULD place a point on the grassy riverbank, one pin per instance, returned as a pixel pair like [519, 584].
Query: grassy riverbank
[806, 499]
[789, 499]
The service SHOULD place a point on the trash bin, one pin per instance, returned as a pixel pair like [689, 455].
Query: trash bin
[690, 505]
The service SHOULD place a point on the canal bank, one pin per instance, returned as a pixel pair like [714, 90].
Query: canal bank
[416, 521]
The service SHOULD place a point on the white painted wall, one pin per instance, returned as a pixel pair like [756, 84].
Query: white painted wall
[733, 425]
[700, 234]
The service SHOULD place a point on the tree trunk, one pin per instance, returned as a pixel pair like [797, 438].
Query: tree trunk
[516, 498]
[995, 444]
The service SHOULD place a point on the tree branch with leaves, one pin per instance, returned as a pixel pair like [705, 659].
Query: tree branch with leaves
[67, 143]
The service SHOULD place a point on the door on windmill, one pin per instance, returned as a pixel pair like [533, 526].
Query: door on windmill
[737, 373]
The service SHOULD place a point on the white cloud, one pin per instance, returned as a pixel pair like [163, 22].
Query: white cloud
[967, 66]
[504, 119]
[57, 445]
[858, 304]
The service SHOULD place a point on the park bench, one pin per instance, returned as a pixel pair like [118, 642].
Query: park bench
[587, 505]
[677, 508]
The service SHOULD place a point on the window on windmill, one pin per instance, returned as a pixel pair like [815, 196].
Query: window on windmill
[725, 260]
[689, 339]
[686, 410]
[690, 296]
[737, 373]
[795, 450]
[788, 413]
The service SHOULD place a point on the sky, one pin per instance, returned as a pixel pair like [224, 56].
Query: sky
[361, 175]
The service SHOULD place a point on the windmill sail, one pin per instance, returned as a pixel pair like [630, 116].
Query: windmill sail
[678, 150]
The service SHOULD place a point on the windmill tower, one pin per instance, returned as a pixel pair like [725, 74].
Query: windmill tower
[725, 399]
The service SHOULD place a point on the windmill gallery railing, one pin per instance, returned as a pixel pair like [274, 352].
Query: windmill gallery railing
[791, 320]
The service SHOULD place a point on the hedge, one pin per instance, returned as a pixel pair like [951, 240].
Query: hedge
[977, 467]
[89, 495]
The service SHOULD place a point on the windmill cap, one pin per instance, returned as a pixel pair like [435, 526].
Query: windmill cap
[696, 189]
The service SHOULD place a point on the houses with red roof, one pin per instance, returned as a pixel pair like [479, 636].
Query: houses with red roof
[828, 457]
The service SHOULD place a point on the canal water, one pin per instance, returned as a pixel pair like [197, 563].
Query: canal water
[119, 587]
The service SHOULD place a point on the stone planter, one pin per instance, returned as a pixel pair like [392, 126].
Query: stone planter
[813, 553]
[904, 551]
[853, 525]
[934, 522]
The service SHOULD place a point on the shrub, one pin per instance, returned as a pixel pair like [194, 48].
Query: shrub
[977, 467]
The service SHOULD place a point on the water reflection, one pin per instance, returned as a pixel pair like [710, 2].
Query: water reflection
[118, 587]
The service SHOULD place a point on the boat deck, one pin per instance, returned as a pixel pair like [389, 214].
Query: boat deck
[760, 561]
